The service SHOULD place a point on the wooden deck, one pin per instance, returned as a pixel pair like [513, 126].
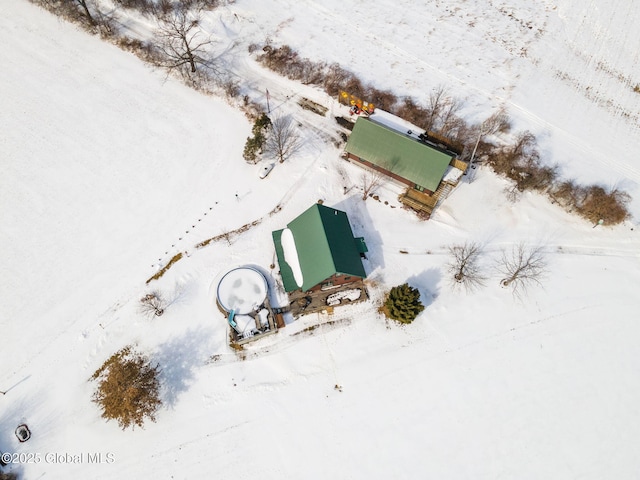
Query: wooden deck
[303, 303]
[425, 203]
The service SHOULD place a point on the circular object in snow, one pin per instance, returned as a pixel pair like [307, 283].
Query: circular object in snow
[242, 290]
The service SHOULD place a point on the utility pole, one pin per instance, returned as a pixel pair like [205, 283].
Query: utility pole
[475, 148]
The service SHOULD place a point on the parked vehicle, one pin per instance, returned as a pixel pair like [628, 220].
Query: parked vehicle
[266, 169]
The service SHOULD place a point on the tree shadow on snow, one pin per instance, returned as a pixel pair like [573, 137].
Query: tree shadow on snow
[428, 283]
[363, 226]
[179, 359]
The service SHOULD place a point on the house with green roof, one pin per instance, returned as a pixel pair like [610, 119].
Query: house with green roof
[398, 155]
[317, 250]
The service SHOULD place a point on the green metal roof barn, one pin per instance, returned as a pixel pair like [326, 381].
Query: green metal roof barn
[324, 246]
[397, 153]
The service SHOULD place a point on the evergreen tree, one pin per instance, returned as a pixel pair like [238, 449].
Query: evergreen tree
[128, 388]
[253, 146]
[403, 303]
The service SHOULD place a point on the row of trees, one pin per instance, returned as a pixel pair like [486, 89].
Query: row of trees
[520, 161]
[178, 44]
[519, 268]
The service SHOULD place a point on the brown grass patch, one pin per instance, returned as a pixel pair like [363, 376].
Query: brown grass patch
[173, 260]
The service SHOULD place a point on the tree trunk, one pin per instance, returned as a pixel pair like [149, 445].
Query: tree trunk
[83, 4]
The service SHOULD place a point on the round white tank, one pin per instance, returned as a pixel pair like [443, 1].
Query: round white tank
[242, 289]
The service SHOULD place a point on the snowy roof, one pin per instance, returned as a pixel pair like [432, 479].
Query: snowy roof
[324, 245]
[398, 153]
[291, 255]
[452, 174]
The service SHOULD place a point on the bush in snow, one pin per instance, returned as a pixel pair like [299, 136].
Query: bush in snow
[153, 304]
[595, 203]
[403, 303]
[128, 388]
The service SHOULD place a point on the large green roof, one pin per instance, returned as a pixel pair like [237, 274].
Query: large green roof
[325, 245]
[396, 152]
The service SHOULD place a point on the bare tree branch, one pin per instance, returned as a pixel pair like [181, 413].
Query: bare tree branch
[448, 120]
[179, 42]
[153, 304]
[497, 122]
[83, 4]
[437, 100]
[371, 180]
[522, 267]
[464, 267]
[283, 141]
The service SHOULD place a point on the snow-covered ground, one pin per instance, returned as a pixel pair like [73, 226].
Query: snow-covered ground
[110, 169]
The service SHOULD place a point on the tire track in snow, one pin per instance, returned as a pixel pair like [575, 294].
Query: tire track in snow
[549, 248]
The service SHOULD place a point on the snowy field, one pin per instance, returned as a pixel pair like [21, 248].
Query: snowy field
[110, 169]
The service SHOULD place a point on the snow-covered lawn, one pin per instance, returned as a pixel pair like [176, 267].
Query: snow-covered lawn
[110, 169]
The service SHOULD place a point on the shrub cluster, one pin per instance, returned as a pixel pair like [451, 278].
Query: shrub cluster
[332, 77]
[521, 163]
[128, 388]
[254, 145]
[164, 7]
[593, 202]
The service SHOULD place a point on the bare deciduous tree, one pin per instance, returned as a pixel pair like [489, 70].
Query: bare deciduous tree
[153, 304]
[448, 120]
[437, 101]
[464, 267]
[371, 180]
[83, 4]
[525, 145]
[512, 193]
[522, 267]
[84, 12]
[497, 122]
[283, 140]
[179, 42]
